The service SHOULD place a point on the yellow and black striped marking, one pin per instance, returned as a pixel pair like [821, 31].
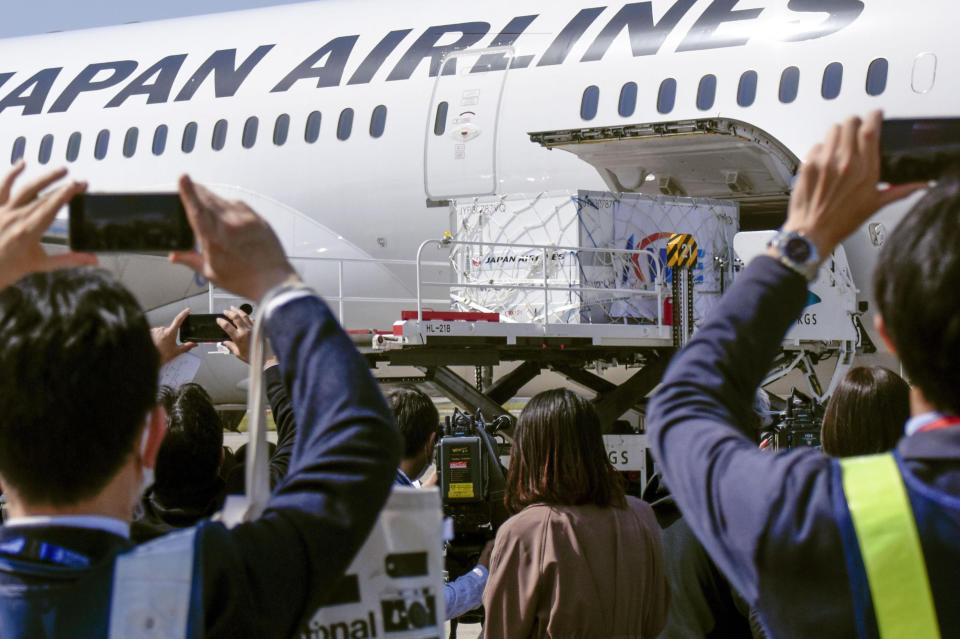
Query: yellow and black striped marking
[681, 251]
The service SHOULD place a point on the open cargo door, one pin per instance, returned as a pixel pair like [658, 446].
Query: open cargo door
[714, 158]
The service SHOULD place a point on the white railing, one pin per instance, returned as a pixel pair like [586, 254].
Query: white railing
[546, 250]
[342, 298]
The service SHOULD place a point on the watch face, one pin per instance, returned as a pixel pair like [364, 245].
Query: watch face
[797, 250]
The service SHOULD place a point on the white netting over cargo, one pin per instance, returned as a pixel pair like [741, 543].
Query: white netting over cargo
[520, 225]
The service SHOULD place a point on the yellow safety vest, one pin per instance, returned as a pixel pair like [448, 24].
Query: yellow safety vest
[890, 547]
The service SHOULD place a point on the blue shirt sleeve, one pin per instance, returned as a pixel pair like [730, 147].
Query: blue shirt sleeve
[465, 593]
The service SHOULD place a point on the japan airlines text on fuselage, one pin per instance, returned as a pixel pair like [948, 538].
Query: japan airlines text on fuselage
[327, 65]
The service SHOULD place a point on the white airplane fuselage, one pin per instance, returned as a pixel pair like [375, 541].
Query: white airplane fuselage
[364, 196]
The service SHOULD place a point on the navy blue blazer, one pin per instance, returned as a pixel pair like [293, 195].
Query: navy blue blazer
[769, 520]
[260, 579]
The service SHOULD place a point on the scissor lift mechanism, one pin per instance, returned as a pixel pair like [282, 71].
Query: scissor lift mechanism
[433, 342]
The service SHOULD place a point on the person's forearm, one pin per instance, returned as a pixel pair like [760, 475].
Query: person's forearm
[346, 444]
[699, 421]
[284, 419]
[465, 593]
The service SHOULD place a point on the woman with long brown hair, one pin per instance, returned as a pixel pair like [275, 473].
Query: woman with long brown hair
[866, 413]
[578, 558]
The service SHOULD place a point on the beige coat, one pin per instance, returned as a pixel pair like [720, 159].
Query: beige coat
[571, 572]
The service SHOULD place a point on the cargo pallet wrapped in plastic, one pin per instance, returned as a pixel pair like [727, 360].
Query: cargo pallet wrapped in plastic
[519, 224]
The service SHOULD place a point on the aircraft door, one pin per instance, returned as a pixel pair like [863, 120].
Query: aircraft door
[460, 149]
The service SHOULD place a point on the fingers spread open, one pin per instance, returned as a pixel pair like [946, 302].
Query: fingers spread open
[848, 143]
[898, 192]
[67, 260]
[186, 347]
[7, 185]
[178, 320]
[190, 259]
[40, 217]
[210, 199]
[833, 140]
[868, 141]
[31, 190]
[238, 317]
[230, 346]
[201, 218]
[229, 328]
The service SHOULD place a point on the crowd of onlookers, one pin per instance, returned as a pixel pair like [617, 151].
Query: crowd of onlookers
[111, 479]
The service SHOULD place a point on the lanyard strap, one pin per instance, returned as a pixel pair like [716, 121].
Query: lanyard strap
[939, 423]
[34, 550]
[890, 546]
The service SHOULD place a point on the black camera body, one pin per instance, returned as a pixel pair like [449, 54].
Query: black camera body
[799, 424]
[472, 483]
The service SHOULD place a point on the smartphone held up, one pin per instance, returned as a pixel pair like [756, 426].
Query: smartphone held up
[129, 222]
[205, 328]
[918, 150]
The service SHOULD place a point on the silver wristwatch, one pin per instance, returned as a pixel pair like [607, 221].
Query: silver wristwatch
[797, 253]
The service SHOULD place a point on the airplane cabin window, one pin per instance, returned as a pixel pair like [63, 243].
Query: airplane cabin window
[707, 92]
[280, 129]
[250, 132]
[832, 81]
[589, 102]
[189, 137]
[103, 141]
[345, 125]
[747, 89]
[378, 121]
[160, 140]
[19, 146]
[789, 81]
[877, 76]
[440, 122]
[312, 131]
[73, 146]
[46, 149]
[667, 95]
[219, 135]
[628, 99]
[130, 142]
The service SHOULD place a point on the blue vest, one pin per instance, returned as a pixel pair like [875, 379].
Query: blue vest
[937, 518]
[150, 592]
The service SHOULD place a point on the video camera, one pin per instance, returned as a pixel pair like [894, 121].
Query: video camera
[799, 424]
[472, 482]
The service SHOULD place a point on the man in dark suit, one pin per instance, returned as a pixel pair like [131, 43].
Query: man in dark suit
[419, 423]
[864, 546]
[79, 425]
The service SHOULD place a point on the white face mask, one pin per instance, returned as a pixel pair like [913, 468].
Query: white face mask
[147, 481]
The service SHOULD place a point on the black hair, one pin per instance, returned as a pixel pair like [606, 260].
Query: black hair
[189, 457]
[917, 288]
[558, 456]
[416, 416]
[78, 377]
[866, 413]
